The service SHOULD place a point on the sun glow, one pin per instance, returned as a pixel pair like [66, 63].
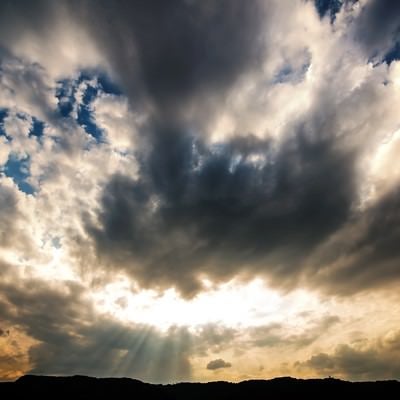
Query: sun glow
[230, 304]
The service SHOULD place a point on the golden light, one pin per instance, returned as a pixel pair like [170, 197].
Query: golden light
[230, 304]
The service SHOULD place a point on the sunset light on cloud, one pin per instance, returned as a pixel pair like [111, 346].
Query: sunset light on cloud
[200, 190]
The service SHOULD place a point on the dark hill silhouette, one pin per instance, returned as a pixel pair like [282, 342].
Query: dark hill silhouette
[82, 387]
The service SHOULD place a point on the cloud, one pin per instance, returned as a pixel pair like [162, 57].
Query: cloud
[217, 212]
[171, 53]
[26, 87]
[169, 204]
[364, 254]
[374, 360]
[13, 218]
[48, 35]
[378, 38]
[249, 204]
[4, 333]
[69, 338]
[218, 364]
[7, 214]
[214, 338]
[73, 337]
[275, 335]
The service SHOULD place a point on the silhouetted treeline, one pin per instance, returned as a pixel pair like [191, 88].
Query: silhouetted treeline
[81, 387]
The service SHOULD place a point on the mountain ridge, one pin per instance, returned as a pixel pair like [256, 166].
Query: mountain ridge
[84, 387]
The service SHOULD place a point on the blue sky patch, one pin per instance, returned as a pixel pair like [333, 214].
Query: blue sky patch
[18, 170]
[56, 242]
[65, 95]
[37, 128]
[85, 117]
[330, 7]
[283, 74]
[66, 99]
[3, 115]
[289, 74]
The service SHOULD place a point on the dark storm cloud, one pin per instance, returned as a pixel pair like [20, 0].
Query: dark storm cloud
[218, 364]
[215, 210]
[200, 210]
[175, 50]
[368, 254]
[19, 18]
[376, 361]
[378, 26]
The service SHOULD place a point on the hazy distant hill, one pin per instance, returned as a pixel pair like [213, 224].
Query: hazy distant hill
[82, 387]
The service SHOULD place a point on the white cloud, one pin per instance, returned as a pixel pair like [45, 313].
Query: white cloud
[122, 125]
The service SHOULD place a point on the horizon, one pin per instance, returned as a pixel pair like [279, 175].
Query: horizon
[200, 190]
[48, 387]
[321, 378]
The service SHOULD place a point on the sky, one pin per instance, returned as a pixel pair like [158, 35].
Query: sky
[200, 190]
